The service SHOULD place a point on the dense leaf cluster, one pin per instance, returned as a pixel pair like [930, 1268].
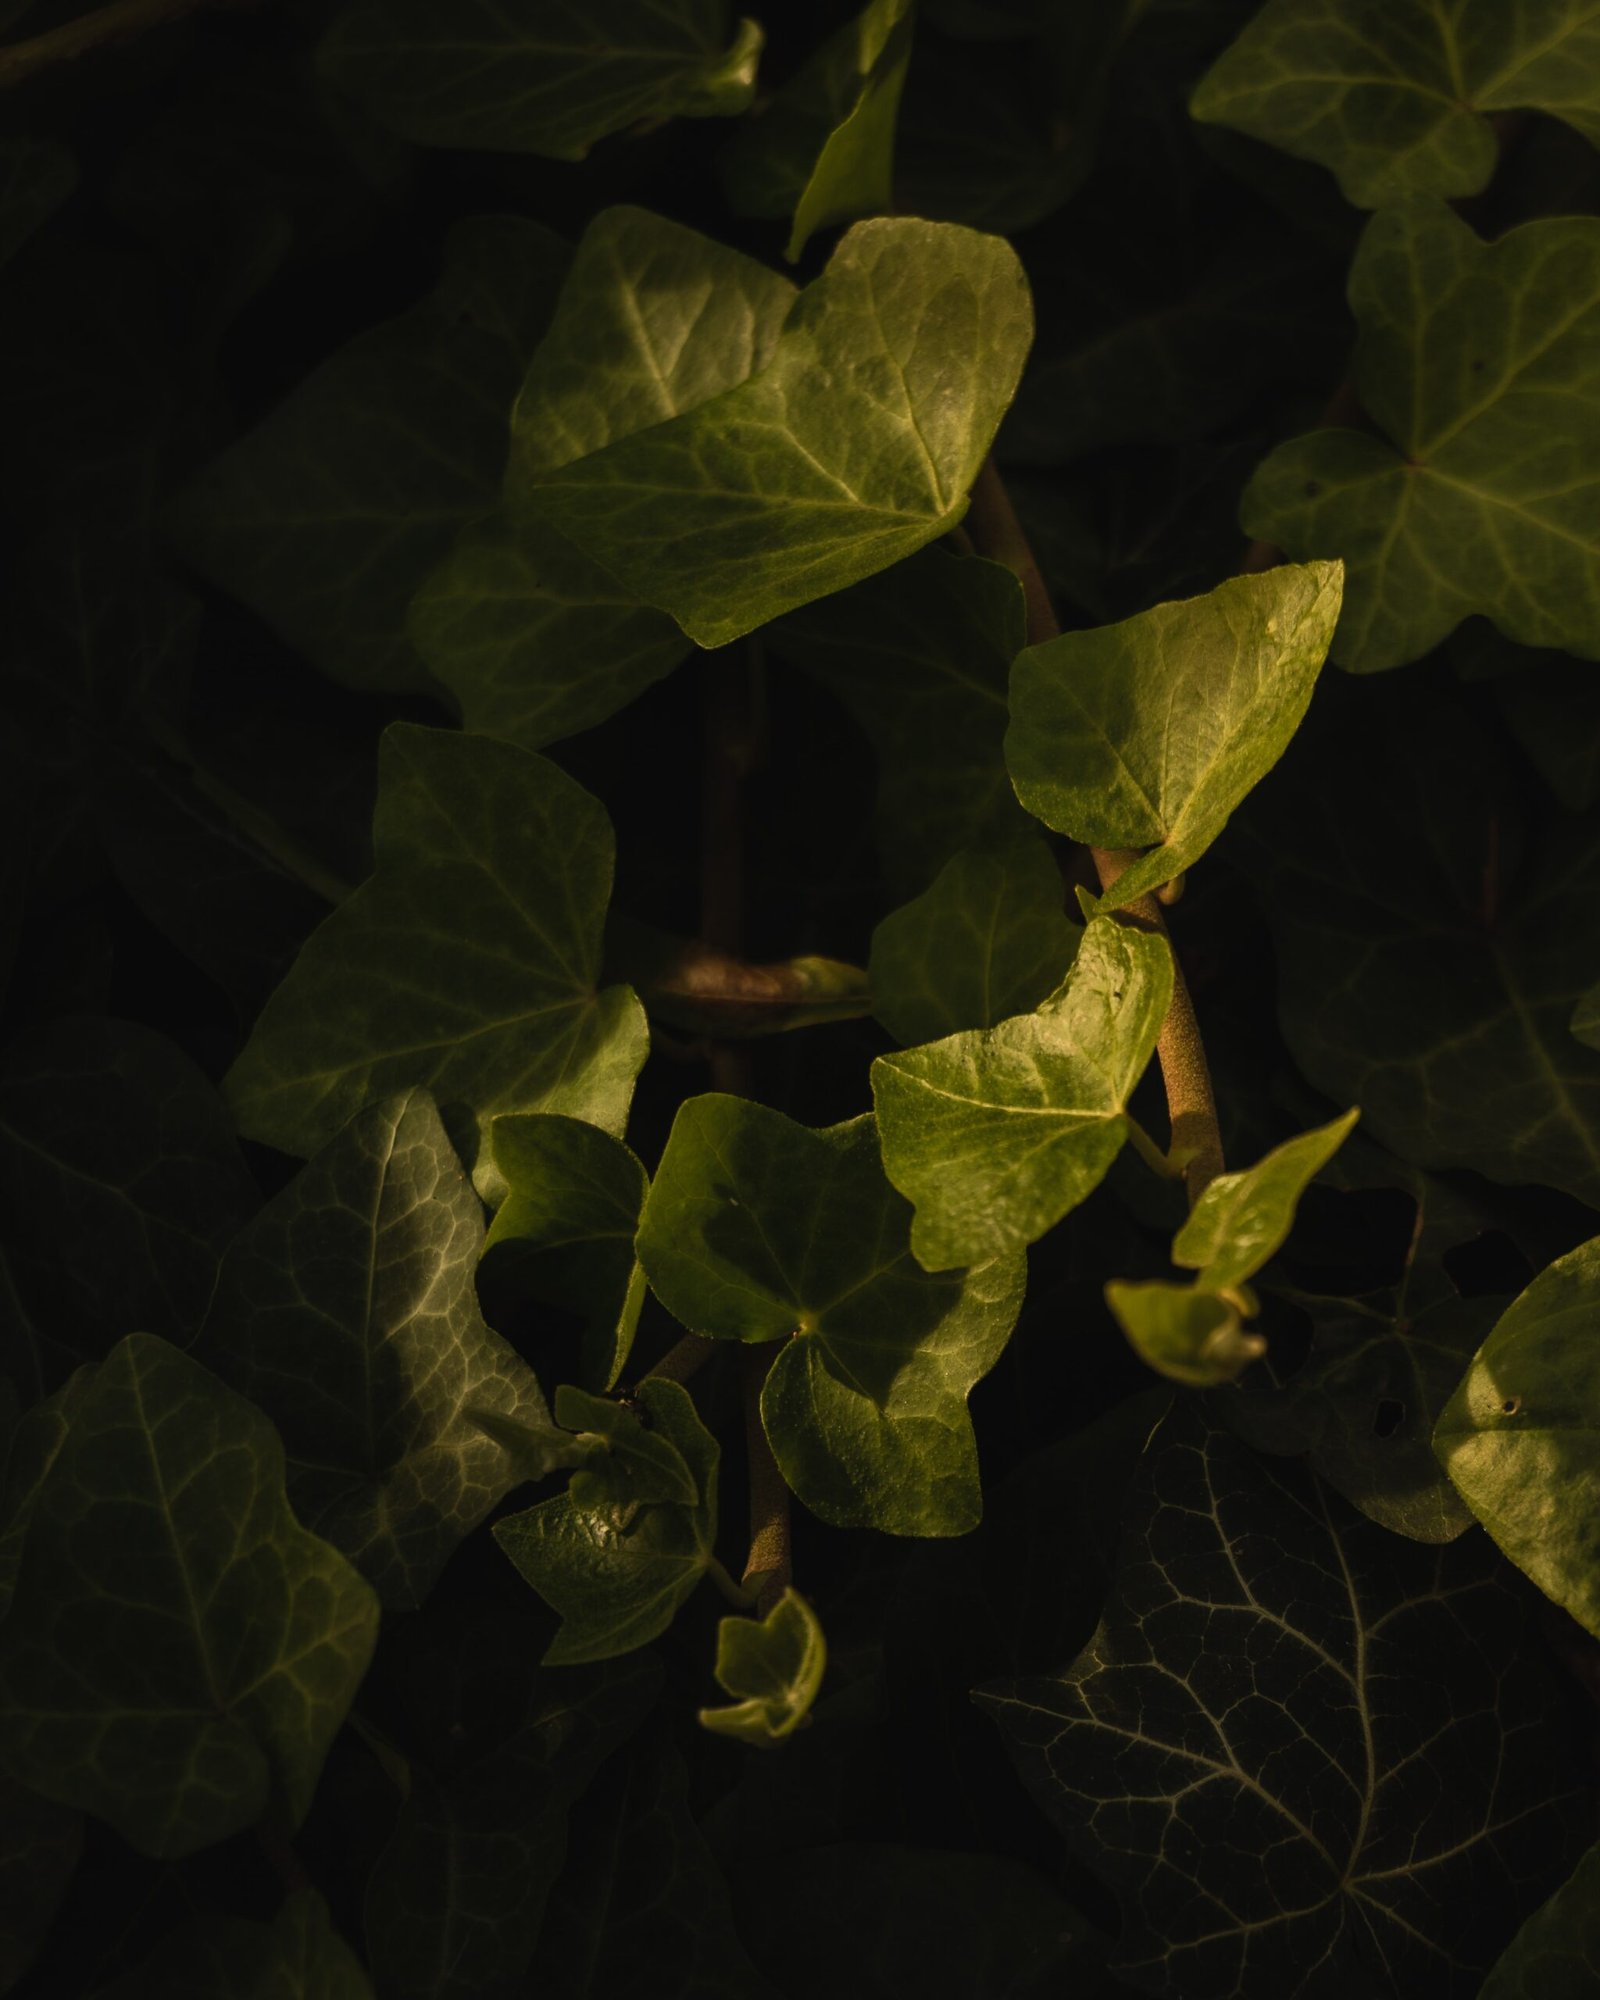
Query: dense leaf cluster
[779, 1216]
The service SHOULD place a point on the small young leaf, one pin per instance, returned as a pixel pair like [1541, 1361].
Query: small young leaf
[1149, 733]
[854, 447]
[1242, 1220]
[564, 1233]
[539, 76]
[630, 1465]
[773, 1668]
[1477, 364]
[996, 1134]
[1556, 1954]
[346, 1311]
[1398, 101]
[1185, 1332]
[617, 1562]
[987, 939]
[468, 963]
[823, 150]
[1520, 1438]
[759, 1229]
[179, 1651]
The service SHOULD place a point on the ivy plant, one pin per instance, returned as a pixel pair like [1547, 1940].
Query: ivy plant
[800, 1000]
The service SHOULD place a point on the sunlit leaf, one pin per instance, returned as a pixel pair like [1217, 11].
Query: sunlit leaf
[1185, 1332]
[1241, 1220]
[772, 1667]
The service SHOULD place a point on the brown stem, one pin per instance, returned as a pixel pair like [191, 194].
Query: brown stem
[769, 1568]
[1191, 1106]
[119, 22]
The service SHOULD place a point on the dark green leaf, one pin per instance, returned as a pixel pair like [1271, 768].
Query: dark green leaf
[1549, 701]
[1556, 1954]
[347, 1312]
[179, 1651]
[1148, 734]
[1398, 102]
[1476, 362]
[987, 939]
[759, 1229]
[994, 1135]
[854, 447]
[120, 1180]
[773, 1668]
[564, 1233]
[1520, 1438]
[325, 518]
[467, 964]
[1310, 1759]
[540, 76]
[298, 1956]
[613, 1558]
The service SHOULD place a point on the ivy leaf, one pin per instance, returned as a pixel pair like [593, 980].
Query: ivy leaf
[920, 656]
[323, 518]
[773, 1668]
[1476, 363]
[985, 940]
[1547, 700]
[539, 76]
[564, 1233]
[1185, 1332]
[854, 447]
[467, 964]
[36, 176]
[994, 1135]
[1556, 1954]
[31, 1450]
[347, 1312]
[1242, 1220]
[759, 1229]
[298, 1956]
[1277, 1677]
[1400, 104]
[611, 1557]
[179, 1651]
[120, 1179]
[823, 150]
[1520, 1438]
[1148, 734]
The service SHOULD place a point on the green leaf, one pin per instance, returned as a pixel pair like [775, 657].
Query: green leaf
[852, 448]
[773, 1668]
[1398, 102]
[1148, 734]
[36, 176]
[1476, 363]
[40, 1843]
[1185, 1332]
[759, 1229]
[823, 150]
[628, 1464]
[564, 1233]
[298, 1956]
[920, 656]
[611, 1557]
[1242, 1220]
[32, 1449]
[1548, 701]
[179, 1651]
[987, 939]
[1520, 1438]
[120, 1181]
[324, 517]
[467, 964]
[994, 1135]
[347, 1312]
[1275, 1677]
[456, 1898]
[1556, 1954]
[539, 76]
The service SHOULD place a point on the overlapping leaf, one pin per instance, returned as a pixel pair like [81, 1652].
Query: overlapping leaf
[540, 76]
[1556, 1954]
[823, 150]
[994, 1135]
[853, 448]
[324, 518]
[1310, 1759]
[298, 1956]
[759, 1229]
[1398, 100]
[1148, 734]
[1479, 364]
[347, 1312]
[1520, 1438]
[467, 964]
[986, 939]
[179, 1650]
[772, 1667]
